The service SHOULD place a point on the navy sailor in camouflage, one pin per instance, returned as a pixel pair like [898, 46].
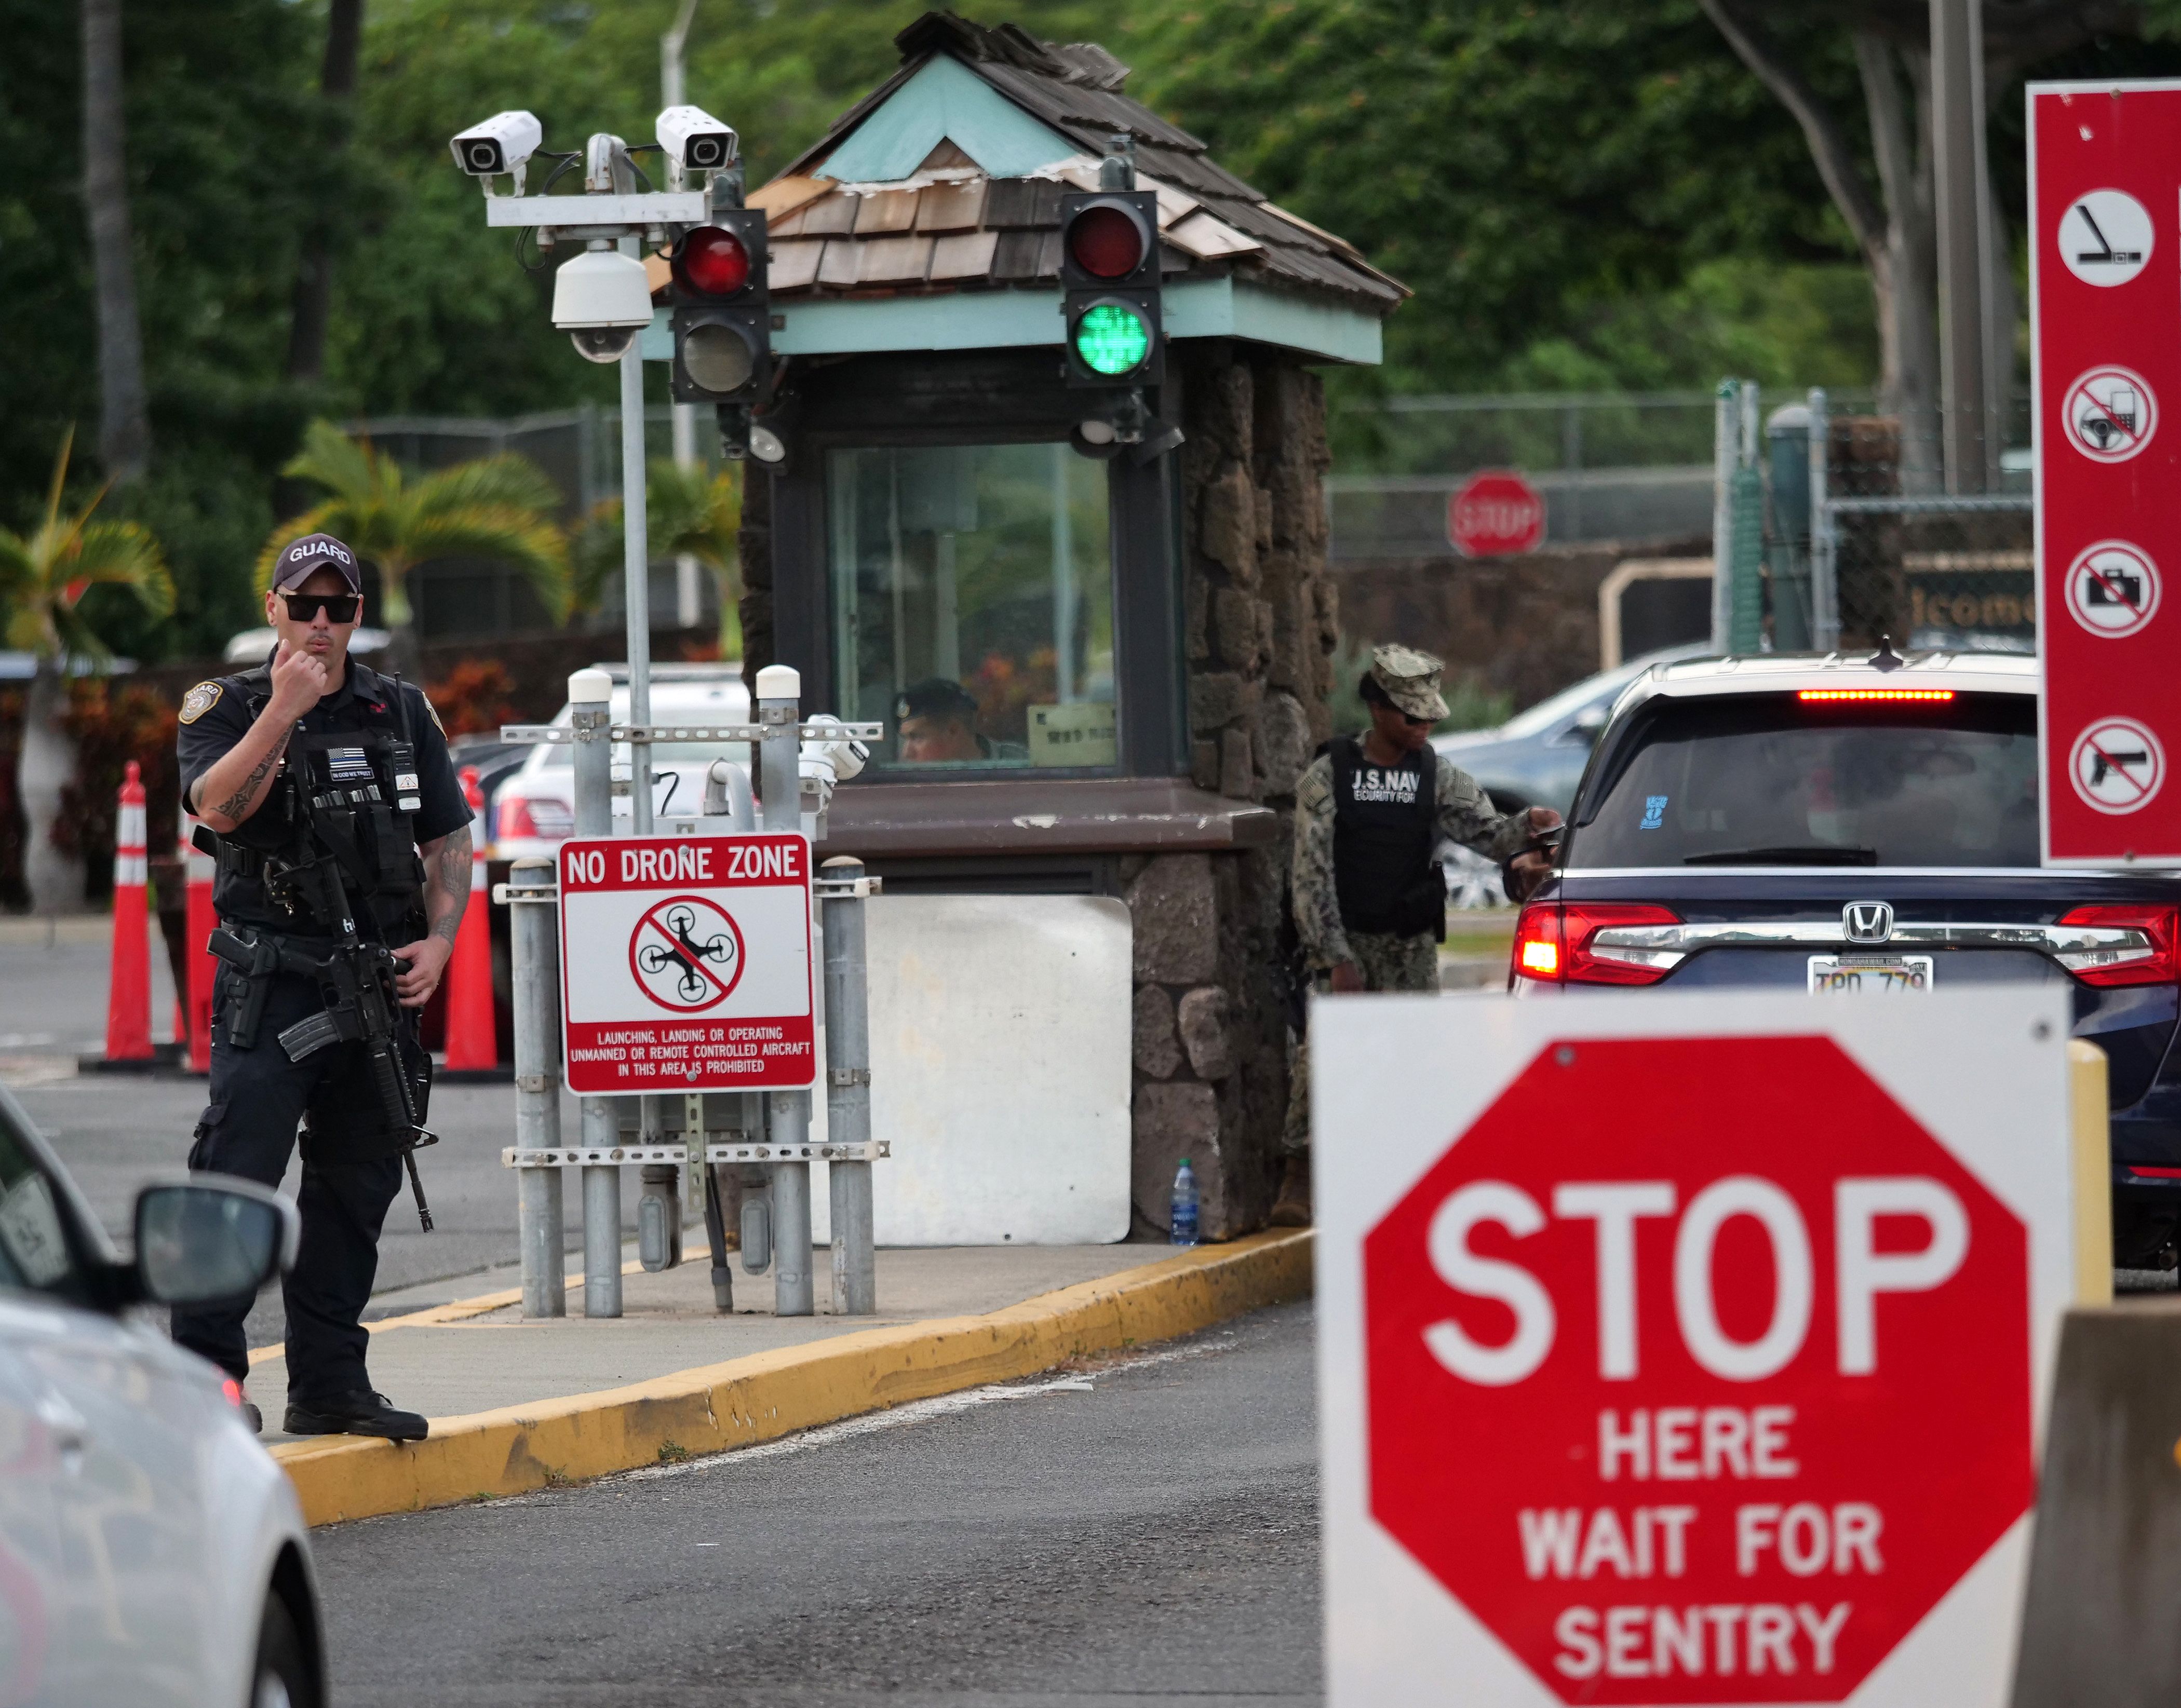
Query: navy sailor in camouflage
[1370, 900]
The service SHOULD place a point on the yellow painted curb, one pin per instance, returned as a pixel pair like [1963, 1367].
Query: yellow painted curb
[766, 1394]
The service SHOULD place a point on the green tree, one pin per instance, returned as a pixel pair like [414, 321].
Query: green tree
[44, 575]
[495, 507]
[687, 513]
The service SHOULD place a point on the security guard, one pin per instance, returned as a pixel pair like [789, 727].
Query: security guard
[262, 755]
[1370, 900]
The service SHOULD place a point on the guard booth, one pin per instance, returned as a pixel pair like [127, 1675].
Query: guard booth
[1115, 660]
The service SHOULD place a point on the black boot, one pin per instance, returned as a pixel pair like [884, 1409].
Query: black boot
[1293, 1208]
[361, 1413]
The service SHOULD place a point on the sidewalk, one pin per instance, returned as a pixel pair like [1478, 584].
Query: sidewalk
[517, 1404]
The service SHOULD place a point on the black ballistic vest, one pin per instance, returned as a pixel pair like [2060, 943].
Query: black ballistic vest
[1385, 821]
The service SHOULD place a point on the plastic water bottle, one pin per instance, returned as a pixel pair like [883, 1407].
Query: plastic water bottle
[1182, 1226]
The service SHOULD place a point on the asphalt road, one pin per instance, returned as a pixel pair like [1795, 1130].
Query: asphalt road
[113, 1132]
[1145, 1531]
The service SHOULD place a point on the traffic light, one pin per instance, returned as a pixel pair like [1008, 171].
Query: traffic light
[723, 318]
[1109, 272]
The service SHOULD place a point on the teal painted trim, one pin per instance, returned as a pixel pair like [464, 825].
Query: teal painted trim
[1235, 308]
[945, 100]
[656, 340]
[969, 320]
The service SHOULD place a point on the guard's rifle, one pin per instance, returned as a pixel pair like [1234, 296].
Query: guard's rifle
[2104, 764]
[362, 1004]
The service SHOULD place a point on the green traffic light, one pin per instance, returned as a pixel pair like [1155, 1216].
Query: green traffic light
[1111, 338]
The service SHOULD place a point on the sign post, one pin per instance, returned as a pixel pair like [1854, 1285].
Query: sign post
[1688, 1351]
[2105, 366]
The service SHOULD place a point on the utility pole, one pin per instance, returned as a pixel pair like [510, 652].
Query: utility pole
[1965, 283]
[688, 600]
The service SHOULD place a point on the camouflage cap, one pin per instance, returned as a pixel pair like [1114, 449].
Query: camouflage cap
[1410, 680]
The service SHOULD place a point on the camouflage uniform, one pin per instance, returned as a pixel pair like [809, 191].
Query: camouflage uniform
[1387, 962]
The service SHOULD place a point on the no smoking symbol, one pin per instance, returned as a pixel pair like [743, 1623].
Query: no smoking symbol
[2117, 765]
[2112, 588]
[2111, 414]
[686, 953]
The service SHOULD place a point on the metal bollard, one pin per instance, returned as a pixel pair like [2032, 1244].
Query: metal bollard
[537, 953]
[779, 696]
[659, 1216]
[849, 1091]
[590, 699]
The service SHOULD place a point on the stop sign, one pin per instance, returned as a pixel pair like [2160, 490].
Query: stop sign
[1692, 1367]
[1495, 514]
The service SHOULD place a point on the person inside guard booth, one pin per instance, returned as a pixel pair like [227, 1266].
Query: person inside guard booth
[1370, 899]
[343, 842]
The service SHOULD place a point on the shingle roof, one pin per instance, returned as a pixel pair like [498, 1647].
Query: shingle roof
[950, 225]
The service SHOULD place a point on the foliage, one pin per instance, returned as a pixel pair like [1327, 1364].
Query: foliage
[692, 512]
[495, 507]
[45, 573]
[110, 721]
[474, 698]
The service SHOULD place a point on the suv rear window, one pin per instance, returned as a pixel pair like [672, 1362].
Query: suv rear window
[1769, 780]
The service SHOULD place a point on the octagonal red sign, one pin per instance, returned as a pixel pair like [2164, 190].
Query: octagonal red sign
[1693, 1407]
[1495, 514]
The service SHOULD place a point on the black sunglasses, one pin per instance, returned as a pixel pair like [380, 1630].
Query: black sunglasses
[339, 607]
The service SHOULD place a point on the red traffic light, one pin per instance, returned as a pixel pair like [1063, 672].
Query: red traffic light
[712, 260]
[1106, 241]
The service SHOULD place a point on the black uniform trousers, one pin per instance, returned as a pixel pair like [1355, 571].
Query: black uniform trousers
[248, 1128]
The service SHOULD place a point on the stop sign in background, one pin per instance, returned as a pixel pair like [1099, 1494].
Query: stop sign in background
[1789, 1271]
[1495, 514]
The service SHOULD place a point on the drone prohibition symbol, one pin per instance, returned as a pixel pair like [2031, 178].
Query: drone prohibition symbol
[687, 954]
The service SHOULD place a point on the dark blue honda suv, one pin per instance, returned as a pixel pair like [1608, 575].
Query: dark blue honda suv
[1864, 827]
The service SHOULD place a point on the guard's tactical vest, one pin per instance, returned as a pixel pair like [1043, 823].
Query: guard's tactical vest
[352, 792]
[1385, 822]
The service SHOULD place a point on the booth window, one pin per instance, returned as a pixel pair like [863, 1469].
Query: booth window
[973, 604]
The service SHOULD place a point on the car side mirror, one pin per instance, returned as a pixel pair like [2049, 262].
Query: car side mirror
[211, 1238]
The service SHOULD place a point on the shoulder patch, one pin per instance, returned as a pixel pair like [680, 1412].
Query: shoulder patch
[199, 701]
[1315, 789]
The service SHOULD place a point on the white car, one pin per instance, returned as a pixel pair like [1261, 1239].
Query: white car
[151, 1551]
[534, 810]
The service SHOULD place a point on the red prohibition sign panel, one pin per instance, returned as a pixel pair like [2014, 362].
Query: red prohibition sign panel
[1642, 1406]
[2117, 765]
[2111, 414]
[687, 954]
[2112, 588]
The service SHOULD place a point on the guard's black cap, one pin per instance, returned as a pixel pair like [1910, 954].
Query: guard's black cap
[937, 696]
[313, 552]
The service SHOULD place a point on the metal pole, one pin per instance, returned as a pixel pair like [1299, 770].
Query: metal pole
[779, 698]
[849, 1094]
[1958, 181]
[1727, 436]
[1824, 561]
[636, 576]
[688, 605]
[536, 957]
[590, 700]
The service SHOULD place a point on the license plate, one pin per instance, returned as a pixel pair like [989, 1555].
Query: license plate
[1862, 975]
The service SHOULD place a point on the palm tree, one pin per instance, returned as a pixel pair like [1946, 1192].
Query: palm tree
[496, 506]
[688, 513]
[43, 577]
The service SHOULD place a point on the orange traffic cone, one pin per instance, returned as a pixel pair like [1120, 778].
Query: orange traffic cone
[128, 988]
[471, 1045]
[202, 965]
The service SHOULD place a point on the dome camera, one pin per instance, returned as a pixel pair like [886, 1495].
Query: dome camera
[603, 299]
[502, 144]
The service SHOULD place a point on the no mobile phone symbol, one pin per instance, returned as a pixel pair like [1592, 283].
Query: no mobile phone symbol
[2111, 414]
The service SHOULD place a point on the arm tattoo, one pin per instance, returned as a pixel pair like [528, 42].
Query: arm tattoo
[453, 878]
[238, 803]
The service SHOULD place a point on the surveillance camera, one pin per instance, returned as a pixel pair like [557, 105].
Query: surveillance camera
[604, 298]
[501, 143]
[603, 344]
[696, 141]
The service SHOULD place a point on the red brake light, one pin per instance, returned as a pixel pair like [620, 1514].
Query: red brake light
[1876, 694]
[2158, 963]
[1104, 242]
[515, 820]
[232, 1390]
[712, 260]
[1555, 943]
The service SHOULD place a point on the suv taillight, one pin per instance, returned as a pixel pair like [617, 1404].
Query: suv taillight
[2157, 963]
[1555, 943]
